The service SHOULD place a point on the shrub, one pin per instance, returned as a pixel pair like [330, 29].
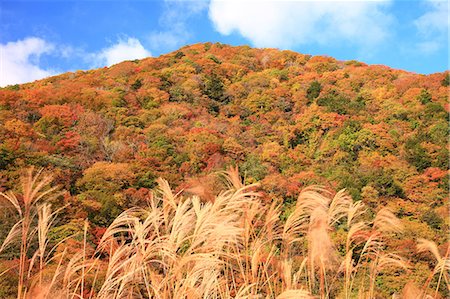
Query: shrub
[424, 97]
[253, 168]
[136, 85]
[432, 219]
[179, 55]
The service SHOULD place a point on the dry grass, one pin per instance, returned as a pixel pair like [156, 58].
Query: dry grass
[442, 267]
[35, 188]
[234, 246]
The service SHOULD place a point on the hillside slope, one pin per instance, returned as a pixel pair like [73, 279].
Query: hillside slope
[287, 120]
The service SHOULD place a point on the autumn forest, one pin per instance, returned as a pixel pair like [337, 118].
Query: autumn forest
[226, 172]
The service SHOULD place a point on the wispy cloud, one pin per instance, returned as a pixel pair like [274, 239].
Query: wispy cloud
[175, 17]
[284, 24]
[19, 60]
[433, 27]
[435, 20]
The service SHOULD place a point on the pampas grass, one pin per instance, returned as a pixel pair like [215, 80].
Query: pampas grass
[442, 267]
[234, 246]
[35, 188]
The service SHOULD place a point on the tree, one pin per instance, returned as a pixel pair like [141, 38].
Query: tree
[108, 177]
[424, 97]
[446, 81]
[214, 88]
[313, 91]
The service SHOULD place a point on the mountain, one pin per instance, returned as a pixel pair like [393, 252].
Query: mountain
[287, 120]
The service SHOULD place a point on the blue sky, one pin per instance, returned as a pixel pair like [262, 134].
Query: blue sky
[42, 38]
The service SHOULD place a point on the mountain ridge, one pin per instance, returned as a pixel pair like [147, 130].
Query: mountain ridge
[270, 50]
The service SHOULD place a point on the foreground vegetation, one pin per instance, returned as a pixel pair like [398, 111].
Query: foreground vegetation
[234, 246]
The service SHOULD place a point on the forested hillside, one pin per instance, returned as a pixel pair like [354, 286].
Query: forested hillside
[286, 120]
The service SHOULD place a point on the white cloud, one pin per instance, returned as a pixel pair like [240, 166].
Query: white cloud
[19, 61]
[128, 49]
[283, 24]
